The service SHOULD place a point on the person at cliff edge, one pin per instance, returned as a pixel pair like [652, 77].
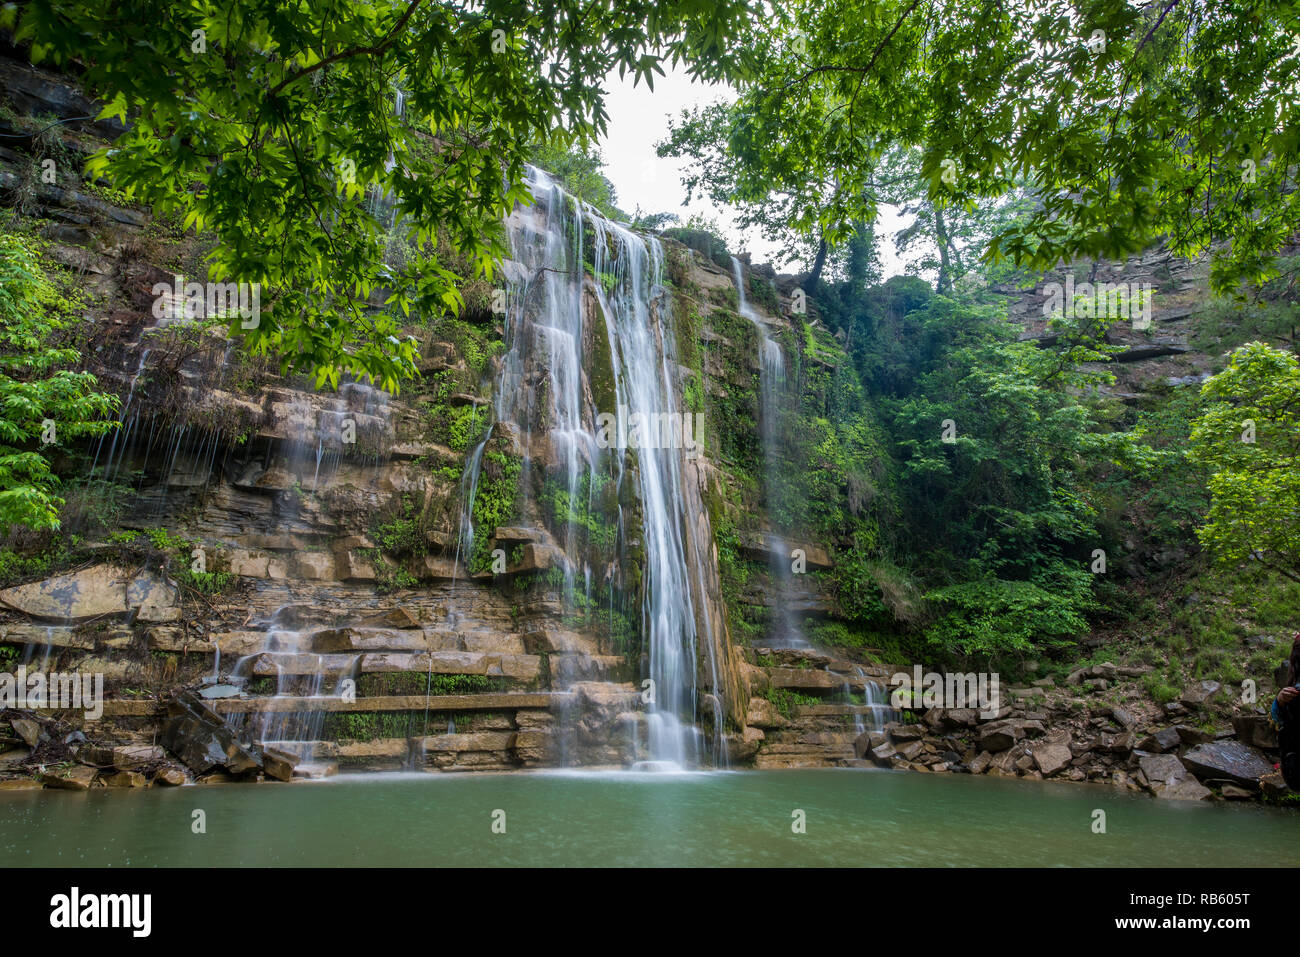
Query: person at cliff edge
[1286, 716]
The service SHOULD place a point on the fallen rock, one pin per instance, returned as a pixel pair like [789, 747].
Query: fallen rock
[1166, 739]
[1162, 768]
[171, 777]
[1189, 735]
[125, 779]
[27, 729]
[1168, 778]
[1195, 695]
[95, 592]
[77, 778]
[1228, 759]
[1187, 789]
[278, 764]
[201, 740]
[1123, 717]
[1051, 758]
[1255, 730]
[905, 732]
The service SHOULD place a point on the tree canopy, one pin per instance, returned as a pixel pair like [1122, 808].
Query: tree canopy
[289, 131]
[1127, 123]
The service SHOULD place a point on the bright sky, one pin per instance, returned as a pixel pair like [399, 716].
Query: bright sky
[638, 119]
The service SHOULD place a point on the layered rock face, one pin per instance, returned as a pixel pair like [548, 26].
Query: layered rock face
[459, 577]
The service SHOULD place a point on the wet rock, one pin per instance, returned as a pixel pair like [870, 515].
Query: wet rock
[125, 779]
[278, 764]
[1231, 760]
[76, 778]
[883, 754]
[1051, 758]
[1230, 792]
[981, 762]
[1168, 778]
[201, 740]
[169, 777]
[905, 732]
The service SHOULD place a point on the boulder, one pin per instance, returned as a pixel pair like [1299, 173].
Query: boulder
[1166, 739]
[1168, 778]
[1051, 758]
[201, 740]
[883, 754]
[1188, 735]
[910, 749]
[905, 732]
[96, 592]
[1195, 695]
[1161, 768]
[1117, 743]
[28, 730]
[76, 778]
[981, 762]
[995, 739]
[1123, 717]
[1255, 730]
[125, 779]
[278, 764]
[1187, 789]
[170, 777]
[1232, 760]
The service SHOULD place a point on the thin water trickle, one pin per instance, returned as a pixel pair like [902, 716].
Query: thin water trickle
[789, 633]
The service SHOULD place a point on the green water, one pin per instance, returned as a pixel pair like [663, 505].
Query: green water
[853, 817]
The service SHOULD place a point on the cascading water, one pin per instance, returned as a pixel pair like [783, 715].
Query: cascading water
[772, 391]
[553, 307]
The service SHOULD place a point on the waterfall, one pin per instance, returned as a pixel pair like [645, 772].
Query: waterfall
[772, 389]
[578, 287]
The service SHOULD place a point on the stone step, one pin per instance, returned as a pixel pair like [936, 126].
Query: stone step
[488, 701]
[317, 750]
[810, 679]
[831, 710]
[810, 658]
[517, 667]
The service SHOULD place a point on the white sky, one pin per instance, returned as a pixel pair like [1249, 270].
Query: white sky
[638, 119]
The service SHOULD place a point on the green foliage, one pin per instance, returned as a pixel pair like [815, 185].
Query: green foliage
[1130, 123]
[991, 617]
[276, 130]
[43, 404]
[1249, 438]
[495, 503]
[580, 170]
